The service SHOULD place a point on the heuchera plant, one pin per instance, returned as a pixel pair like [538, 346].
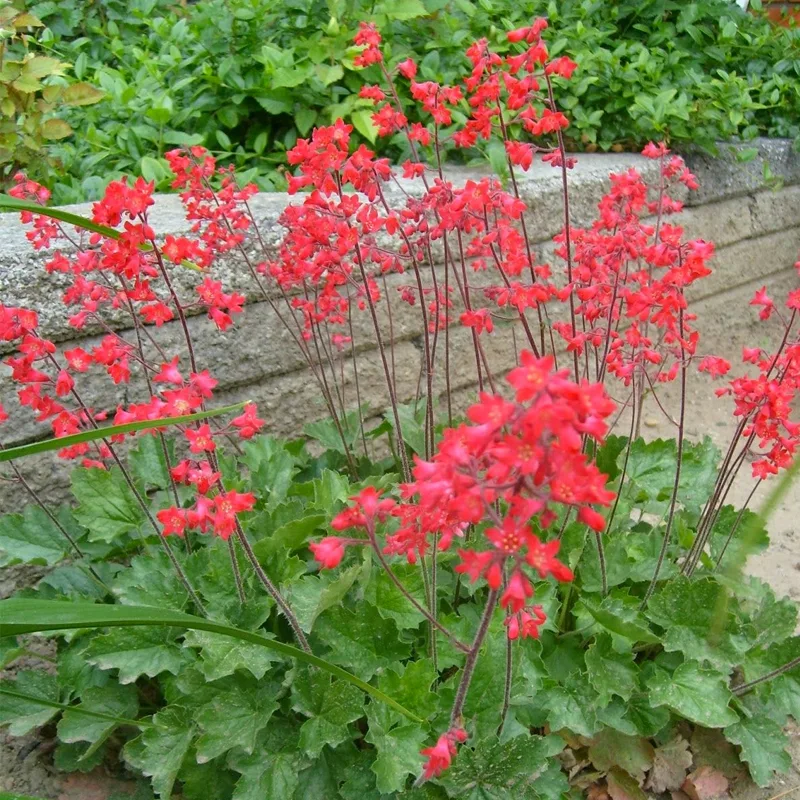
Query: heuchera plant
[507, 587]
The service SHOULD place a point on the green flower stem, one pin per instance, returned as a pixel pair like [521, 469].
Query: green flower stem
[236, 571]
[676, 485]
[472, 659]
[742, 688]
[411, 599]
[272, 590]
[64, 532]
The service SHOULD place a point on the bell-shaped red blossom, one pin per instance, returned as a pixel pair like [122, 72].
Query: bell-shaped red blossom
[526, 623]
[173, 519]
[248, 423]
[517, 593]
[440, 756]
[328, 551]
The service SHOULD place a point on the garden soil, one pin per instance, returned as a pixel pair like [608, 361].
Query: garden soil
[26, 762]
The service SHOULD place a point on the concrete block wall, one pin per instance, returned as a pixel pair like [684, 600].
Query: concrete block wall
[755, 226]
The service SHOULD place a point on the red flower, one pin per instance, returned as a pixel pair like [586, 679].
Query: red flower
[201, 439]
[248, 423]
[530, 378]
[517, 593]
[407, 68]
[173, 519]
[440, 756]
[761, 298]
[226, 507]
[329, 551]
[169, 373]
[525, 624]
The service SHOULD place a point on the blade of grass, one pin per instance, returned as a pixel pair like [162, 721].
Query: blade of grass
[22, 615]
[137, 723]
[23, 450]
[9, 203]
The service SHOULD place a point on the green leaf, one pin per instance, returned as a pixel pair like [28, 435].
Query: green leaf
[33, 616]
[220, 655]
[34, 702]
[119, 702]
[391, 603]
[362, 121]
[404, 9]
[328, 74]
[160, 751]
[398, 754]
[75, 582]
[412, 688]
[106, 504]
[741, 547]
[773, 620]
[141, 651]
[697, 621]
[58, 443]
[695, 692]
[148, 463]
[305, 117]
[293, 535]
[55, 129]
[781, 694]
[313, 594]
[361, 639]
[763, 744]
[208, 781]
[571, 706]
[235, 717]
[698, 474]
[33, 538]
[412, 420]
[620, 617]
[635, 717]
[150, 580]
[271, 467]
[495, 771]
[608, 454]
[651, 469]
[82, 94]
[330, 705]
[610, 749]
[611, 673]
[272, 770]
[330, 489]
[326, 432]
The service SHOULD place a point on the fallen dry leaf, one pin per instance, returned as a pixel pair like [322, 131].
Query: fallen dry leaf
[679, 795]
[670, 765]
[706, 783]
[585, 778]
[597, 791]
[622, 786]
[712, 748]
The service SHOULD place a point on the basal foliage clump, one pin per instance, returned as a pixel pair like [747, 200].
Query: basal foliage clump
[409, 602]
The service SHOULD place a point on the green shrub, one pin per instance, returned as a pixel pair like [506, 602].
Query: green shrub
[32, 89]
[247, 77]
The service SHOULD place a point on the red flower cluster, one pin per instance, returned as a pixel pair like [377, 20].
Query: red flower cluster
[218, 513]
[128, 274]
[510, 465]
[440, 756]
[765, 402]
